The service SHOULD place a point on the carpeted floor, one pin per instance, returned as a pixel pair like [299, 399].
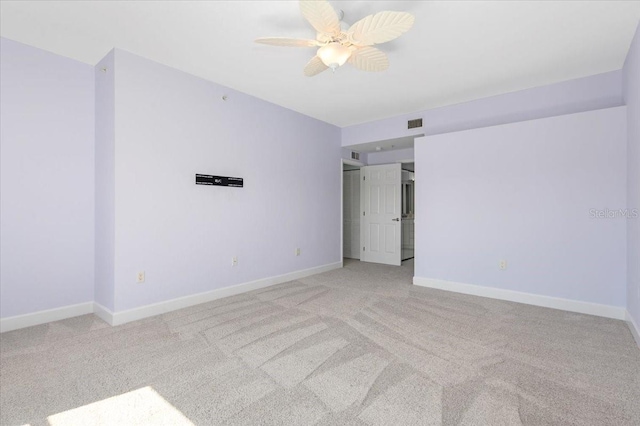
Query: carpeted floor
[354, 346]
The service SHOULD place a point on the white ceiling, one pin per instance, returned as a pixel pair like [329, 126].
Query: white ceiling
[457, 51]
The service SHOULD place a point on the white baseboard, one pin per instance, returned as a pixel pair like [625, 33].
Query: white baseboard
[606, 311]
[43, 317]
[103, 313]
[635, 330]
[117, 318]
[154, 309]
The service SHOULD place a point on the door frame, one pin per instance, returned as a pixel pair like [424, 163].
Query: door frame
[344, 161]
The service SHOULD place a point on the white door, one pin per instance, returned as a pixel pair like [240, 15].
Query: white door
[380, 200]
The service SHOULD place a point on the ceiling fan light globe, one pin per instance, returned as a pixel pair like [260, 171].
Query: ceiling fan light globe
[334, 55]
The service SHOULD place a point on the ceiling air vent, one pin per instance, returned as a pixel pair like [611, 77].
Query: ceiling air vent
[355, 155]
[412, 124]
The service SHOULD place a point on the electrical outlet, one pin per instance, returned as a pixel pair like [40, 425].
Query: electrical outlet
[297, 252]
[234, 261]
[502, 264]
[140, 277]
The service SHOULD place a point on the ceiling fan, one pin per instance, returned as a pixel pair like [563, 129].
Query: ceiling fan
[337, 45]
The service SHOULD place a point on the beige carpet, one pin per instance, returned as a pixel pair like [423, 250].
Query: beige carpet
[356, 346]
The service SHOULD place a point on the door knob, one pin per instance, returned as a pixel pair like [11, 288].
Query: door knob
[397, 219]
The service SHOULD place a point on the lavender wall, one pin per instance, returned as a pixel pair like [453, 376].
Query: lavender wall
[169, 126]
[523, 192]
[105, 181]
[387, 157]
[47, 175]
[584, 94]
[164, 126]
[631, 72]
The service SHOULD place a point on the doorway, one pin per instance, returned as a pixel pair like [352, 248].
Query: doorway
[351, 210]
[352, 241]
[408, 211]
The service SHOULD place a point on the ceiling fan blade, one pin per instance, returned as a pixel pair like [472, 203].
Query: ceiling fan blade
[380, 28]
[321, 16]
[314, 66]
[288, 42]
[369, 59]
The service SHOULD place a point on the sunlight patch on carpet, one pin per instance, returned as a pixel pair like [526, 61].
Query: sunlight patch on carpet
[141, 406]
